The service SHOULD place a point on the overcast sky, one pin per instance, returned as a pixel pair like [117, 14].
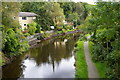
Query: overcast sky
[88, 1]
[92, 1]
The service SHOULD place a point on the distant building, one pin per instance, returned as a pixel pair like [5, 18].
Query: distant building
[26, 18]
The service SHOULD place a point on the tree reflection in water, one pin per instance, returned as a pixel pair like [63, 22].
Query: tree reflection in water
[52, 52]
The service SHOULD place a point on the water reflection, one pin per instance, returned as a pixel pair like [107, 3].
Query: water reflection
[53, 58]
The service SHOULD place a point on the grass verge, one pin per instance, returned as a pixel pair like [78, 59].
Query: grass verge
[101, 67]
[2, 59]
[81, 66]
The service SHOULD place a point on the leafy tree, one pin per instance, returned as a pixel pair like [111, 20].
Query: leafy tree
[13, 40]
[72, 8]
[104, 26]
[56, 13]
[68, 7]
[10, 11]
[73, 16]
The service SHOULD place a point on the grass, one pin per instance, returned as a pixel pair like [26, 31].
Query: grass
[101, 67]
[81, 66]
[2, 60]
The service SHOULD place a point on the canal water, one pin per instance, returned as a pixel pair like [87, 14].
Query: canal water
[53, 58]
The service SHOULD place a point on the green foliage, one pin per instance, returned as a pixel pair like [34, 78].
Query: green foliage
[2, 59]
[101, 67]
[13, 40]
[11, 43]
[56, 13]
[104, 25]
[67, 7]
[53, 13]
[68, 27]
[26, 34]
[41, 9]
[24, 46]
[73, 16]
[32, 28]
[81, 66]
[38, 28]
[10, 10]
[14, 43]
[75, 12]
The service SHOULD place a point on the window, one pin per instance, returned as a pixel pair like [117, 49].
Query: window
[24, 18]
[25, 24]
[14, 17]
[34, 17]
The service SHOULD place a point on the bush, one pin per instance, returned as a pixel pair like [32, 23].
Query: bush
[32, 28]
[68, 27]
[38, 28]
[24, 46]
[26, 34]
[13, 43]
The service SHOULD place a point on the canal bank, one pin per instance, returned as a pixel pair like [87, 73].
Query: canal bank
[34, 39]
[81, 66]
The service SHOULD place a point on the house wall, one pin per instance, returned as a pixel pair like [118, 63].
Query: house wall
[28, 20]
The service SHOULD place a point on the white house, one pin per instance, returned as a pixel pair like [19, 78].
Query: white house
[26, 18]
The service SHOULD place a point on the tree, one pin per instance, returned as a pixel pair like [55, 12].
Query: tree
[78, 9]
[10, 11]
[56, 13]
[68, 8]
[13, 40]
[105, 28]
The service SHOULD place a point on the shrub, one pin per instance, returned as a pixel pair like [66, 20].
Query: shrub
[24, 46]
[26, 34]
[38, 28]
[32, 28]
[12, 43]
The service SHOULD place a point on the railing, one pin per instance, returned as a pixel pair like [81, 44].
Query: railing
[33, 39]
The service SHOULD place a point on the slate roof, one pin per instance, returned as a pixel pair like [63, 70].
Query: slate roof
[27, 14]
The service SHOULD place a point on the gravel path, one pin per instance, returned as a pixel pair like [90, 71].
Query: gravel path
[92, 72]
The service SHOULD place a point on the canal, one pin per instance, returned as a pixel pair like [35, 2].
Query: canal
[53, 58]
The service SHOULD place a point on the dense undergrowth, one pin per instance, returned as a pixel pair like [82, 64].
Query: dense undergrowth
[104, 27]
[101, 67]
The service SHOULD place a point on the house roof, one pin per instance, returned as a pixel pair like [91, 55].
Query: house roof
[27, 14]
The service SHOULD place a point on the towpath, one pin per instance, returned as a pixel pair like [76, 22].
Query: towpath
[92, 71]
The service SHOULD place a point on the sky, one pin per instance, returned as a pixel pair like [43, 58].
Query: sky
[92, 1]
[88, 1]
